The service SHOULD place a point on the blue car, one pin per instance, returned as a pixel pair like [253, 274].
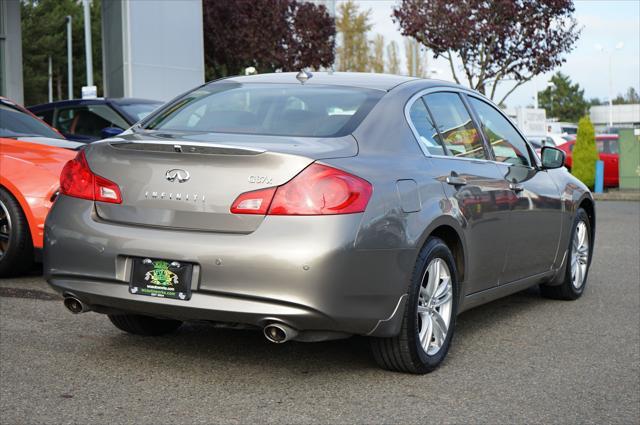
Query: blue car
[88, 120]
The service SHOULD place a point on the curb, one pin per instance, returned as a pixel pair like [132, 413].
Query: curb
[618, 195]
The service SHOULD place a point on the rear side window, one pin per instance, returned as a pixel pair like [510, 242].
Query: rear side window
[506, 142]
[268, 109]
[426, 128]
[454, 123]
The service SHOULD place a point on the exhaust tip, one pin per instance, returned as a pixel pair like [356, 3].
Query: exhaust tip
[74, 305]
[278, 333]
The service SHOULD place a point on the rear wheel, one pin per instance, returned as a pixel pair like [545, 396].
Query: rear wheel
[578, 262]
[429, 317]
[16, 246]
[144, 325]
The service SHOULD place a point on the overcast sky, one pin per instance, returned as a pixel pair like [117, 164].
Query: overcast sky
[604, 22]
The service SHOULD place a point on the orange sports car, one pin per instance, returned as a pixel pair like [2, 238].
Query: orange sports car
[32, 155]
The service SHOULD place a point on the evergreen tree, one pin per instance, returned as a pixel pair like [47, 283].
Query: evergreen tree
[585, 153]
[44, 34]
[563, 100]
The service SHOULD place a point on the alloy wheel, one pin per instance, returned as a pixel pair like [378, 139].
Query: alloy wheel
[579, 255]
[435, 304]
[5, 229]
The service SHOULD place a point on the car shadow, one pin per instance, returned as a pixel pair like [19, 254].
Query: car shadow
[201, 343]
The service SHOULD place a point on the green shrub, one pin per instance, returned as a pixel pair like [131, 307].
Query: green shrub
[585, 153]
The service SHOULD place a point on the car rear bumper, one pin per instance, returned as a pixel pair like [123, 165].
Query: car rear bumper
[301, 271]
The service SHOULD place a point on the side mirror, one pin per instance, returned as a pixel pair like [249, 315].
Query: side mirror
[551, 157]
[110, 132]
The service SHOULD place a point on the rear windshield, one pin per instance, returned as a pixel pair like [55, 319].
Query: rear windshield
[15, 123]
[268, 109]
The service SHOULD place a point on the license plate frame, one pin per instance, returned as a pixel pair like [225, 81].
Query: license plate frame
[159, 278]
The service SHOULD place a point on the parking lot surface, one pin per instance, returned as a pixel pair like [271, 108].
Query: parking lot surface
[520, 359]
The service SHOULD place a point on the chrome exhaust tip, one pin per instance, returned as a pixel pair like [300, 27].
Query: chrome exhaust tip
[75, 306]
[279, 333]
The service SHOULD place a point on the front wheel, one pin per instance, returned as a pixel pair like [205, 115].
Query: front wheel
[574, 278]
[429, 317]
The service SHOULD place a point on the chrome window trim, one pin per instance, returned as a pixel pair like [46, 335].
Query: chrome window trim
[416, 135]
[472, 112]
[535, 163]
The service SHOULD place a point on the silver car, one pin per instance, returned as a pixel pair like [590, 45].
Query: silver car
[315, 207]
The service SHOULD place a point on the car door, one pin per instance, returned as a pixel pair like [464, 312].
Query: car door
[535, 221]
[472, 183]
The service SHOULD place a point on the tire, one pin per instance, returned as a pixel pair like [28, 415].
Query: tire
[405, 352]
[567, 289]
[16, 245]
[144, 325]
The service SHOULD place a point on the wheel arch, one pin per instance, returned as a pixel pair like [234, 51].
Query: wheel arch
[448, 229]
[587, 204]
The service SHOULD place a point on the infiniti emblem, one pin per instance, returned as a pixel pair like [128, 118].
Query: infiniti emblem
[177, 174]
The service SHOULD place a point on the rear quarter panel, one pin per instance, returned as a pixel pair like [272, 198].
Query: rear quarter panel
[31, 172]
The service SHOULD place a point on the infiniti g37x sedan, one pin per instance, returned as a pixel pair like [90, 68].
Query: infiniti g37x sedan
[316, 207]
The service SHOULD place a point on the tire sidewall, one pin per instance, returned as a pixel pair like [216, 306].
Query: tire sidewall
[19, 238]
[581, 215]
[435, 248]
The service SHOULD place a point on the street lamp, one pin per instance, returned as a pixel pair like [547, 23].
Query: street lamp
[609, 52]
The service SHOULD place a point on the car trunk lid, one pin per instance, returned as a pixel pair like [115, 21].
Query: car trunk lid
[185, 183]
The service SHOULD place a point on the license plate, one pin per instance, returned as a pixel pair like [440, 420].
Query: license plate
[161, 278]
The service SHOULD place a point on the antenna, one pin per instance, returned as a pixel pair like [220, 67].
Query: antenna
[303, 76]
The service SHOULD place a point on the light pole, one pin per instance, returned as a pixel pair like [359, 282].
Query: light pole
[87, 41]
[609, 52]
[69, 58]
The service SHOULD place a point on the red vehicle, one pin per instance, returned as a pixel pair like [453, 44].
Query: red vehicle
[32, 155]
[609, 152]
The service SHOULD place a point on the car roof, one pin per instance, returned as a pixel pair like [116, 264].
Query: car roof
[352, 79]
[96, 101]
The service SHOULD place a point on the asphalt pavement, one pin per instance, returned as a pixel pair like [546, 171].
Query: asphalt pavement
[522, 359]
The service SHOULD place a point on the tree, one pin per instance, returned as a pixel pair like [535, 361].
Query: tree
[414, 54]
[585, 153]
[630, 97]
[494, 40]
[44, 34]
[353, 25]
[393, 60]
[563, 100]
[376, 61]
[269, 35]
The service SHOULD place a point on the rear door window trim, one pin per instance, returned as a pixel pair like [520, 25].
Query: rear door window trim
[460, 92]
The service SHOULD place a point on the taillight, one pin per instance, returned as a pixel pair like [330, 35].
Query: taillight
[317, 190]
[255, 202]
[77, 180]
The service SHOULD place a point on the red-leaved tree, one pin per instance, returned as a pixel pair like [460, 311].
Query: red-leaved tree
[266, 34]
[494, 39]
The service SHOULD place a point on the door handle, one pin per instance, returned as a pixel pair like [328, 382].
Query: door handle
[516, 187]
[456, 181]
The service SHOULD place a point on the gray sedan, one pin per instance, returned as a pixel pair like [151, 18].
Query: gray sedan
[318, 206]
